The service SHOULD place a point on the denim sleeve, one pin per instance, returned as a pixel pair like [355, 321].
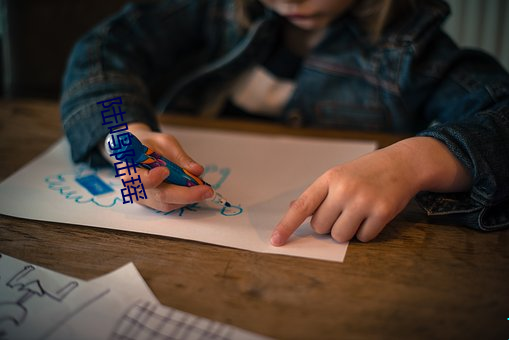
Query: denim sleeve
[467, 103]
[481, 143]
[124, 56]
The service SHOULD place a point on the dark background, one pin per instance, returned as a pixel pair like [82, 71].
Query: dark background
[36, 37]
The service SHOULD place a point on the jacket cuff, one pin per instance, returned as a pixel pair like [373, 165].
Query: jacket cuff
[83, 122]
[461, 208]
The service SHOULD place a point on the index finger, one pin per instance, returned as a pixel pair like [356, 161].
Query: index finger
[299, 210]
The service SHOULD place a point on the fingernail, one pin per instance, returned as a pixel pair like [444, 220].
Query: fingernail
[192, 164]
[276, 239]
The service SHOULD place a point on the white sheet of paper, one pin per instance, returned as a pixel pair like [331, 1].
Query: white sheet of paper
[36, 303]
[260, 174]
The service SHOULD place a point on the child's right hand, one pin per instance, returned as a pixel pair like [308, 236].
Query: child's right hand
[161, 195]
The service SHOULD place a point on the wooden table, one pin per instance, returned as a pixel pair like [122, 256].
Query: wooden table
[417, 280]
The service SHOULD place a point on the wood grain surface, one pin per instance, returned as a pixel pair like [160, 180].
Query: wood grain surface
[418, 280]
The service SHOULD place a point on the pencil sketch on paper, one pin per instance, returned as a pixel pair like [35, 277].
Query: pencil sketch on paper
[27, 284]
[100, 187]
[118, 305]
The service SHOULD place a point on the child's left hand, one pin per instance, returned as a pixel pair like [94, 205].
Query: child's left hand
[359, 198]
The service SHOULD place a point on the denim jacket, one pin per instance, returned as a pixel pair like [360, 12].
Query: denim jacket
[414, 79]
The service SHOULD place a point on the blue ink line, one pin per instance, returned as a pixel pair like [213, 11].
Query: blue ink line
[224, 172]
[230, 211]
[71, 195]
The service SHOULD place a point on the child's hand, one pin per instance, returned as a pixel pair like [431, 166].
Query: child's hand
[360, 197]
[161, 195]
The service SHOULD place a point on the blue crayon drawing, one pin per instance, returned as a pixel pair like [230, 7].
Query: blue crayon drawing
[87, 185]
[216, 177]
[212, 171]
[100, 187]
[233, 210]
[180, 211]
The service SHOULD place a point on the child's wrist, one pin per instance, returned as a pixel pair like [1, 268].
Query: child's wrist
[432, 166]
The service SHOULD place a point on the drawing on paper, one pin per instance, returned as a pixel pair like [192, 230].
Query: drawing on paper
[232, 210]
[215, 177]
[87, 185]
[100, 187]
[180, 211]
[25, 284]
[63, 307]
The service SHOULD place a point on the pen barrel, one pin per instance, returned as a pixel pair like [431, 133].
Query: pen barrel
[149, 159]
[180, 176]
[144, 157]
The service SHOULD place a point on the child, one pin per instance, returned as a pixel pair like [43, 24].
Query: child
[379, 65]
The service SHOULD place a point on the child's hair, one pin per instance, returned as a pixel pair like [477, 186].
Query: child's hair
[373, 15]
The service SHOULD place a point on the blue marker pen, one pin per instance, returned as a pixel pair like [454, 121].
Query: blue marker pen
[149, 159]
